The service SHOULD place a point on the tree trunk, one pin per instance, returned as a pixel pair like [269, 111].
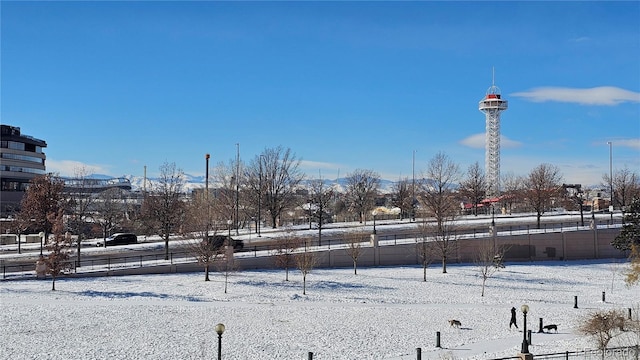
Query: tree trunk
[424, 271]
[79, 241]
[166, 247]
[304, 284]
[444, 264]
[53, 283]
[206, 272]
[355, 268]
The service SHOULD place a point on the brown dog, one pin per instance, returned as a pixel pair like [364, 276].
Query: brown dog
[455, 323]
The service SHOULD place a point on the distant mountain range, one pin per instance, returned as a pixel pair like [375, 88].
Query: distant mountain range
[195, 182]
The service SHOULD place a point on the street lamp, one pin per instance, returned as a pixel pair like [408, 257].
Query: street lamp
[525, 344]
[237, 221]
[611, 177]
[219, 330]
[41, 234]
[260, 195]
[413, 186]
[206, 189]
[374, 223]
[229, 222]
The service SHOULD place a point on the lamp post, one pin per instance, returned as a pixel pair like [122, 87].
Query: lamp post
[206, 189]
[374, 223]
[260, 195]
[41, 234]
[220, 330]
[525, 343]
[413, 186]
[229, 222]
[237, 220]
[611, 177]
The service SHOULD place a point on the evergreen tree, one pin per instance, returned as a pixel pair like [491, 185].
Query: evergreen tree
[630, 233]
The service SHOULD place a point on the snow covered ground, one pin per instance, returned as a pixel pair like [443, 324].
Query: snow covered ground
[380, 313]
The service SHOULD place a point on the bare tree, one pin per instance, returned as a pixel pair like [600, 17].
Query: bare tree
[284, 249]
[437, 197]
[354, 242]
[426, 247]
[200, 216]
[361, 192]
[226, 264]
[489, 260]
[474, 186]
[305, 260]
[320, 195]
[58, 259]
[110, 211]
[163, 208]
[20, 226]
[403, 197]
[438, 240]
[43, 197]
[542, 186]
[512, 190]
[275, 175]
[626, 186]
[602, 326]
[80, 202]
[226, 192]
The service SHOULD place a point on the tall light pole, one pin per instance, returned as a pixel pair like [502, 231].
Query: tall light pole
[260, 194]
[237, 185]
[206, 189]
[413, 187]
[611, 177]
[206, 176]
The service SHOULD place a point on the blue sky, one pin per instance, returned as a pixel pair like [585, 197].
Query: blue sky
[116, 86]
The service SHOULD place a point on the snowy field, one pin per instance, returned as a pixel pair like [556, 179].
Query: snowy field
[380, 313]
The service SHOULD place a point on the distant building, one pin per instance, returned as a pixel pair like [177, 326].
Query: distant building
[21, 159]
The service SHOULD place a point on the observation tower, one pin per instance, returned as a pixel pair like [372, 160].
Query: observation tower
[492, 105]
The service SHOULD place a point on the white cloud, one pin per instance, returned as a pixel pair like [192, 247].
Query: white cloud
[603, 95]
[630, 143]
[477, 141]
[71, 167]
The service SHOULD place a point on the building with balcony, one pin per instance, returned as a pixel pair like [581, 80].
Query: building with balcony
[21, 159]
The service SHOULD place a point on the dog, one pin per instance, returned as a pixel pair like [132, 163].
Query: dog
[455, 323]
[550, 327]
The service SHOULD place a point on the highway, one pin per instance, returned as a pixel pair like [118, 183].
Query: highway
[152, 250]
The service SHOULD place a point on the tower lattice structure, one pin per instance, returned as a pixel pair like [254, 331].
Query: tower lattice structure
[492, 105]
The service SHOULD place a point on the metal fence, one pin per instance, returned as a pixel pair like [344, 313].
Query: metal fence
[622, 353]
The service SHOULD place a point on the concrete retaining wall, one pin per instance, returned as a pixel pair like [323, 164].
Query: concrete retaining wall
[574, 245]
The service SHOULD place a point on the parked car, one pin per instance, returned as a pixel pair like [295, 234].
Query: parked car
[120, 239]
[217, 241]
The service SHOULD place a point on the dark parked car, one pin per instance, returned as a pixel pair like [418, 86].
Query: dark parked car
[120, 239]
[217, 241]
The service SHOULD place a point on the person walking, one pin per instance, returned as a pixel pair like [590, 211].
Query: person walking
[513, 318]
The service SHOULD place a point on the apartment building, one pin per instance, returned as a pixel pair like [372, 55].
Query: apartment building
[21, 159]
